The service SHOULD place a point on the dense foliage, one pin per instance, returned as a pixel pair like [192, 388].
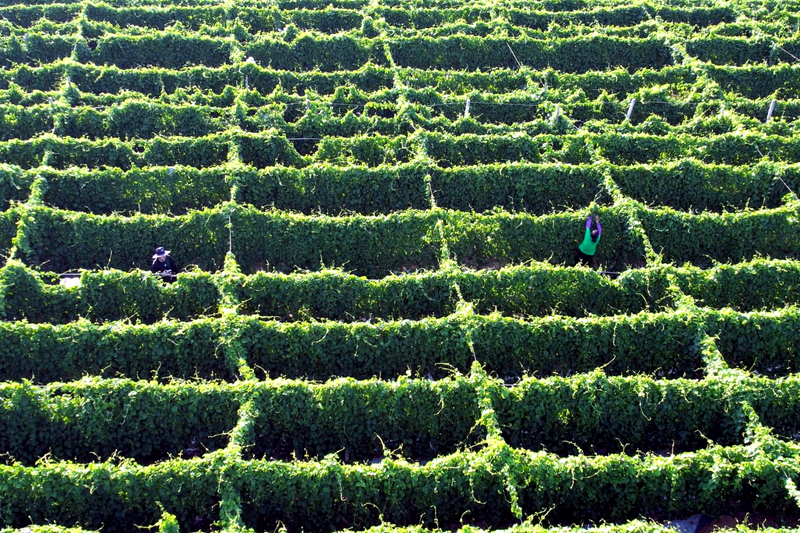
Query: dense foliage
[379, 324]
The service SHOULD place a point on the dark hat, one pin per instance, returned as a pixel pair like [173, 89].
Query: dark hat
[160, 252]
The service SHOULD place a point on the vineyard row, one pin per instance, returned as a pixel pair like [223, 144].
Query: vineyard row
[537, 290]
[668, 344]
[60, 241]
[534, 188]
[270, 148]
[83, 113]
[95, 419]
[749, 81]
[145, 119]
[175, 50]
[503, 483]
[333, 20]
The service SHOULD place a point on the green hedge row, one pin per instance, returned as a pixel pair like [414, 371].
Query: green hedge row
[258, 20]
[134, 117]
[619, 148]
[115, 496]
[253, 19]
[61, 241]
[154, 81]
[191, 16]
[46, 353]
[579, 54]
[665, 344]
[372, 246]
[756, 285]
[624, 344]
[688, 184]
[724, 50]
[589, 413]
[750, 81]
[261, 150]
[533, 291]
[307, 52]
[622, 16]
[35, 48]
[368, 246]
[706, 238]
[317, 52]
[63, 153]
[507, 347]
[763, 342]
[757, 81]
[533, 188]
[27, 15]
[420, 419]
[514, 291]
[171, 49]
[323, 188]
[536, 188]
[480, 241]
[377, 246]
[326, 496]
[592, 488]
[105, 296]
[728, 148]
[595, 414]
[536, 290]
[93, 419]
[174, 190]
[314, 189]
[343, 52]
[542, 19]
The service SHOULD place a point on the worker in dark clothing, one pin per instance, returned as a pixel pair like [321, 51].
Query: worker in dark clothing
[163, 263]
[586, 250]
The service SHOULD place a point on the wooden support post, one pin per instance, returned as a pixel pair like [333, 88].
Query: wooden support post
[466, 109]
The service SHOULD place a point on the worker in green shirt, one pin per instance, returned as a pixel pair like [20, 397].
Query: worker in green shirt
[586, 250]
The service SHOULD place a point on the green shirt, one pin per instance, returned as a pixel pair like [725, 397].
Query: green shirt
[587, 246]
